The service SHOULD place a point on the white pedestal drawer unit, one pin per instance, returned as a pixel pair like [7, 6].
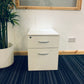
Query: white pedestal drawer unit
[43, 49]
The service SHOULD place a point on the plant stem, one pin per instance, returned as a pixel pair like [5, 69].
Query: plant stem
[6, 40]
[3, 33]
[0, 36]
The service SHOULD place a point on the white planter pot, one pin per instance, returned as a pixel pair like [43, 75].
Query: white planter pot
[7, 56]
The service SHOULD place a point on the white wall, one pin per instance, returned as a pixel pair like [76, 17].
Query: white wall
[67, 23]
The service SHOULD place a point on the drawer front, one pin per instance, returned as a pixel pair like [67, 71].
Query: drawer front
[43, 59]
[43, 41]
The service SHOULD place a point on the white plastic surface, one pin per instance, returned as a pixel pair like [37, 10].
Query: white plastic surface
[42, 31]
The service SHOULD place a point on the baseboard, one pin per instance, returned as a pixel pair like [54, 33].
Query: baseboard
[21, 53]
[75, 52]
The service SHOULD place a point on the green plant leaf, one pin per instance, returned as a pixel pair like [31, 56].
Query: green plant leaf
[6, 15]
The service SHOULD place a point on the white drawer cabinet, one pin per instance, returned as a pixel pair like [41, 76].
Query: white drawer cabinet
[43, 59]
[43, 41]
[43, 49]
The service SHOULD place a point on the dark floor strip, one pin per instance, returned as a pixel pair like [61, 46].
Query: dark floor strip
[71, 71]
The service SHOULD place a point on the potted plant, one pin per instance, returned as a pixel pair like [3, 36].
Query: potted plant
[6, 16]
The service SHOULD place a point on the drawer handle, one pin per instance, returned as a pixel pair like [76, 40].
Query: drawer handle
[43, 41]
[42, 53]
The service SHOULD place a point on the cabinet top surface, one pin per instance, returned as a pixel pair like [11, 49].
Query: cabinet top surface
[42, 31]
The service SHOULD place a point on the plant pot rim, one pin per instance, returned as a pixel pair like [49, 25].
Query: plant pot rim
[9, 46]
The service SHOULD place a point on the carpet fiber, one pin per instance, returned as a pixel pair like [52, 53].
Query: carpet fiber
[71, 71]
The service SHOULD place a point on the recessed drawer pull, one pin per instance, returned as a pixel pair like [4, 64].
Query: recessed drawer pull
[43, 41]
[42, 53]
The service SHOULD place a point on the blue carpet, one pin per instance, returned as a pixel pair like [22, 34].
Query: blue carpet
[71, 71]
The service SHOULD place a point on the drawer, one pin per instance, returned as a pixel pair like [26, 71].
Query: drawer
[43, 59]
[43, 41]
